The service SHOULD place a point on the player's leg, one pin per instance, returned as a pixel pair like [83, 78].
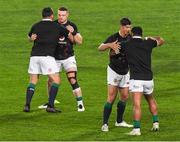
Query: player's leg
[154, 111]
[54, 88]
[72, 77]
[49, 83]
[70, 67]
[136, 97]
[136, 89]
[49, 67]
[30, 91]
[124, 94]
[121, 105]
[112, 93]
[148, 94]
[34, 71]
[112, 82]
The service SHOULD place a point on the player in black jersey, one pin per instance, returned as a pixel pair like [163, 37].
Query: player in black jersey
[138, 51]
[45, 35]
[117, 74]
[65, 57]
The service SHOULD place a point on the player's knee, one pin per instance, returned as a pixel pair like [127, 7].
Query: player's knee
[54, 79]
[34, 79]
[124, 97]
[72, 80]
[111, 99]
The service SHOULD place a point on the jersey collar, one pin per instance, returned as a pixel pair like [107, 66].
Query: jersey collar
[137, 37]
[46, 19]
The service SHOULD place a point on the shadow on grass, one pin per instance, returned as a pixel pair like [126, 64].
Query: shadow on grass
[26, 116]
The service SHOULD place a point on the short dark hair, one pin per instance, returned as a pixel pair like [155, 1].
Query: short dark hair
[63, 9]
[125, 21]
[137, 31]
[47, 12]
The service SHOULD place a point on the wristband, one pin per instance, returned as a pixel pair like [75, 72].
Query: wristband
[74, 33]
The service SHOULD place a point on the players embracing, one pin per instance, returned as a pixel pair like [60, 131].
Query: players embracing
[65, 58]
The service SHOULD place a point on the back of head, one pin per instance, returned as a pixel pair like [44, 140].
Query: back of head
[47, 12]
[125, 21]
[137, 31]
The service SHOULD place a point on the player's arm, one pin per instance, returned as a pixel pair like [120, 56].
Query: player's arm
[78, 38]
[64, 31]
[113, 45]
[71, 37]
[76, 35]
[32, 37]
[158, 39]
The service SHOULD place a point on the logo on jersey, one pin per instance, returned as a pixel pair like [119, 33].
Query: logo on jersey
[62, 38]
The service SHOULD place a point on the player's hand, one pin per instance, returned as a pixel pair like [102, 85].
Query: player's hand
[33, 37]
[115, 46]
[70, 28]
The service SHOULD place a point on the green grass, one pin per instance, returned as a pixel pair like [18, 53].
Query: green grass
[96, 19]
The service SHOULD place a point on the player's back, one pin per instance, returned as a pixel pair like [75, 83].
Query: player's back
[139, 58]
[47, 37]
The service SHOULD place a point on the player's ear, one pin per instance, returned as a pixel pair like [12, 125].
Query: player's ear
[52, 16]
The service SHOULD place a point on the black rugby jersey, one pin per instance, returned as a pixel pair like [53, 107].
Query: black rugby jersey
[48, 34]
[65, 46]
[118, 62]
[139, 57]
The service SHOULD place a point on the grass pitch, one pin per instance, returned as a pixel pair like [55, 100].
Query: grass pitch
[96, 19]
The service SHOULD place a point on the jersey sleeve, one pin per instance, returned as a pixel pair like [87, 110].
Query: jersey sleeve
[152, 43]
[31, 31]
[75, 27]
[109, 40]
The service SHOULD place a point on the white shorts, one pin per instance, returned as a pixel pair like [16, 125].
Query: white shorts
[117, 80]
[42, 65]
[146, 87]
[67, 64]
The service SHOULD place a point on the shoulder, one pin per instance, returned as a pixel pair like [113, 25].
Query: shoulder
[37, 23]
[114, 36]
[111, 38]
[72, 23]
